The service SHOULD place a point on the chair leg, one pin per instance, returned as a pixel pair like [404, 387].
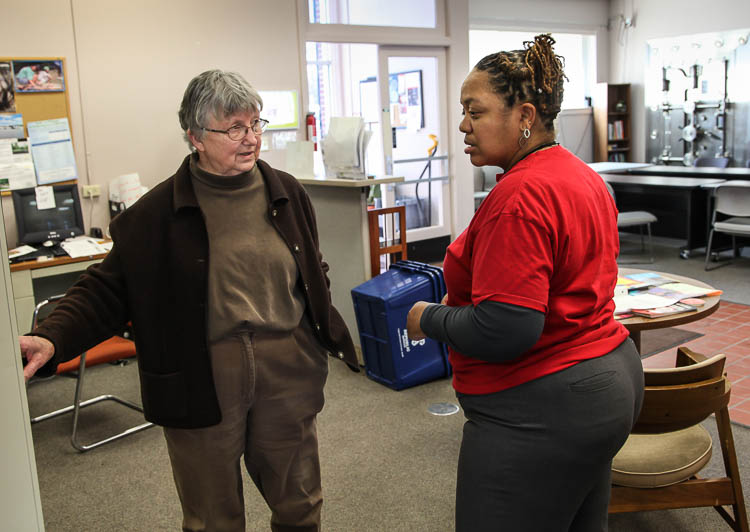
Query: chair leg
[728, 452]
[650, 244]
[708, 250]
[78, 405]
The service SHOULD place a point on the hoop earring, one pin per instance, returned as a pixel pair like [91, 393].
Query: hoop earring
[526, 133]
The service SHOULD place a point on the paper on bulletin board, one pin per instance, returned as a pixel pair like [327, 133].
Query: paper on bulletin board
[45, 198]
[11, 126]
[281, 109]
[16, 166]
[52, 150]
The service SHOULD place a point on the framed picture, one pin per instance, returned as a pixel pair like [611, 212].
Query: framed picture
[7, 95]
[39, 76]
[405, 94]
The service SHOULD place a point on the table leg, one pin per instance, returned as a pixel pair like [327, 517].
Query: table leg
[636, 337]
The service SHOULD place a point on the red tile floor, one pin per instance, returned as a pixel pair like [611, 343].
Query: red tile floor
[725, 331]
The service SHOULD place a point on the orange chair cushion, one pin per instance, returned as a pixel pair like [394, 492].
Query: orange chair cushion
[115, 348]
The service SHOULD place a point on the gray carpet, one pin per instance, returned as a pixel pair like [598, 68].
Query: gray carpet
[658, 340]
[388, 465]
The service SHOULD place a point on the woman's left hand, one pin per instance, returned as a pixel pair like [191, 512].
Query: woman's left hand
[413, 329]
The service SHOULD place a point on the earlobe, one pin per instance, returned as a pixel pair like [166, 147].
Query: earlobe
[198, 145]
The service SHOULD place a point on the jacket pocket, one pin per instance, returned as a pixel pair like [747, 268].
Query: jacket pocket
[164, 396]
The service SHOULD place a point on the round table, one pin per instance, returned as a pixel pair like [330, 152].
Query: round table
[636, 324]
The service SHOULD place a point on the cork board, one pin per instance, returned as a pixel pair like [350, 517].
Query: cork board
[35, 106]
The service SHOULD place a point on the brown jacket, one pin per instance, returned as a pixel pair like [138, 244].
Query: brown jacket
[156, 277]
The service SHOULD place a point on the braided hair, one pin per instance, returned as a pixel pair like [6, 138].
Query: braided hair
[533, 75]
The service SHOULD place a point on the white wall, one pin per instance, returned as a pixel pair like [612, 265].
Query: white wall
[128, 64]
[652, 20]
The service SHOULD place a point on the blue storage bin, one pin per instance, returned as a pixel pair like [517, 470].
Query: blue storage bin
[381, 306]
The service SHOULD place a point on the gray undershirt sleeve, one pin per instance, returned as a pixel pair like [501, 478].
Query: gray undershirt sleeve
[489, 331]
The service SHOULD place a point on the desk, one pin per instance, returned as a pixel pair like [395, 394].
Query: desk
[34, 281]
[679, 203]
[636, 324]
[341, 212]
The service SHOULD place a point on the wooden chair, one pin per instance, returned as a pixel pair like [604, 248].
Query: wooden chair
[111, 350]
[657, 467]
[387, 228]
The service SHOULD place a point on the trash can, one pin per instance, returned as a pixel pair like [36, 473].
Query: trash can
[381, 306]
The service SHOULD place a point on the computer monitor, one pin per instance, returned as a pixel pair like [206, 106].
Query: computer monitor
[65, 220]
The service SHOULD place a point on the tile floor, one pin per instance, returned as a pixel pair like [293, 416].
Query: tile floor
[725, 331]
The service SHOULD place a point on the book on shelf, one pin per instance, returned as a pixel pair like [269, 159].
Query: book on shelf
[616, 130]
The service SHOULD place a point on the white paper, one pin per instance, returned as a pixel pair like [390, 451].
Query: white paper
[45, 198]
[20, 251]
[627, 303]
[82, 246]
[299, 159]
[129, 189]
[52, 150]
[16, 165]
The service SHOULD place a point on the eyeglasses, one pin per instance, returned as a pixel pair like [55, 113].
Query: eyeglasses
[240, 132]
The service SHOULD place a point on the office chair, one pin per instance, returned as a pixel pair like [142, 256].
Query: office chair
[730, 198]
[635, 218]
[111, 350]
[657, 467]
[387, 228]
[715, 162]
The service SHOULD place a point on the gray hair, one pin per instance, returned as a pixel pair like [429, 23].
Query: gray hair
[218, 93]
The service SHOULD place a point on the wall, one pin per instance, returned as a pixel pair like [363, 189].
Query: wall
[20, 505]
[128, 65]
[652, 20]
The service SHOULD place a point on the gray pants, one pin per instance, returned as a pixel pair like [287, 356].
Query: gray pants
[538, 456]
[270, 389]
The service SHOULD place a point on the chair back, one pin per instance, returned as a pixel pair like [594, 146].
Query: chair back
[733, 198]
[680, 397]
[387, 229]
[716, 162]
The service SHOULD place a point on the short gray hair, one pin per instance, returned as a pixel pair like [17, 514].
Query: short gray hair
[218, 93]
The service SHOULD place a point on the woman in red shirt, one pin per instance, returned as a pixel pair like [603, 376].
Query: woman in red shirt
[549, 382]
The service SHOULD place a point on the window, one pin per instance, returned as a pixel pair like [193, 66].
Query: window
[410, 14]
[578, 50]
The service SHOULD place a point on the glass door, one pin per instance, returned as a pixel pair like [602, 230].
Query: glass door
[413, 109]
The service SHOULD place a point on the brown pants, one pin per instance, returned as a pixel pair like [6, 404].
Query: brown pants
[270, 389]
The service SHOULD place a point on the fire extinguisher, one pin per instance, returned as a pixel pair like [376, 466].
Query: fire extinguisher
[312, 133]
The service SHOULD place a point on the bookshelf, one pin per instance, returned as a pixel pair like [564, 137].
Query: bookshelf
[612, 122]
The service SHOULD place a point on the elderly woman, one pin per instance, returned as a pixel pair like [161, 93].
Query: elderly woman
[549, 382]
[219, 270]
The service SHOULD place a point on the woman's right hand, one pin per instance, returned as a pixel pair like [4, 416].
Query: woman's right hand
[37, 351]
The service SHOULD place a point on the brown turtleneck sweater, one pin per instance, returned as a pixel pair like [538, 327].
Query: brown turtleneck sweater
[252, 276]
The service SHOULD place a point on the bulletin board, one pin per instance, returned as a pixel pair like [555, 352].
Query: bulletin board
[36, 106]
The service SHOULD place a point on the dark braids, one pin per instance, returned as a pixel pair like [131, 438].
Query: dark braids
[533, 75]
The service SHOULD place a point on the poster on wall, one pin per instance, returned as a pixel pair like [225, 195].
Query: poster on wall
[405, 94]
[7, 96]
[11, 126]
[52, 151]
[39, 76]
[281, 109]
[16, 166]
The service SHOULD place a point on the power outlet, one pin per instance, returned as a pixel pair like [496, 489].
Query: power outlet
[92, 191]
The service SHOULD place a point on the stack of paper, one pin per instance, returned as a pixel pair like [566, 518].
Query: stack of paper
[344, 148]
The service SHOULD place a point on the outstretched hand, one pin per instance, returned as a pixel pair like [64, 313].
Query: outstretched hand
[37, 351]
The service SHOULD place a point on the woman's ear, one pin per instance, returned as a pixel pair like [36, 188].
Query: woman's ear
[528, 115]
[197, 144]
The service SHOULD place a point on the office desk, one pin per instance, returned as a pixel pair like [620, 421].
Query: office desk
[34, 281]
[691, 171]
[341, 211]
[680, 204]
[636, 324]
